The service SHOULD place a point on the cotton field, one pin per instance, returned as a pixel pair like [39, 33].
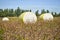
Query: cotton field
[16, 30]
[30, 27]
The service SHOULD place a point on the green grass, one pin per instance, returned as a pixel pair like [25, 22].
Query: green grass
[41, 30]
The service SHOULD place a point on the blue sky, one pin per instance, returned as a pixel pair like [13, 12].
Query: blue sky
[51, 5]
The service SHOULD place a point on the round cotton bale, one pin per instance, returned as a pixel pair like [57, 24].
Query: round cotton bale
[28, 17]
[5, 19]
[46, 17]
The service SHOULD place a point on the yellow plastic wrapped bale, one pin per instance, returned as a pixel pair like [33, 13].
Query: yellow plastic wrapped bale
[5, 19]
[46, 17]
[28, 17]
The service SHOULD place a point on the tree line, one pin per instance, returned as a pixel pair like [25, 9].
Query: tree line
[11, 12]
[43, 11]
[18, 11]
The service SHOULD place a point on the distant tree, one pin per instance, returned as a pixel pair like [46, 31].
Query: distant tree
[59, 14]
[22, 11]
[1, 12]
[26, 11]
[5, 12]
[18, 11]
[55, 14]
[37, 14]
[47, 11]
[43, 11]
[52, 13]
[11, 12]
[30, 10]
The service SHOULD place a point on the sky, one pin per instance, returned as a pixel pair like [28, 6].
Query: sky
[51, 5]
